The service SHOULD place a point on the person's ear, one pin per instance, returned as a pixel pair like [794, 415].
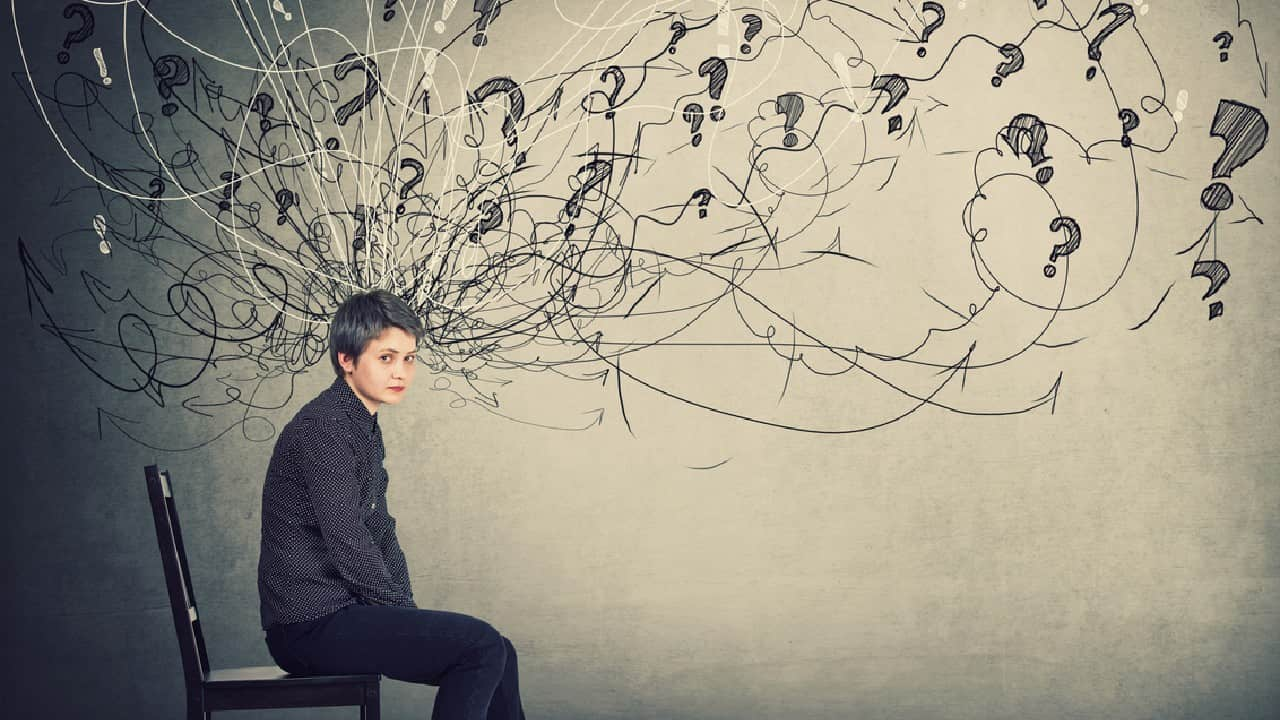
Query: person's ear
[347, 362]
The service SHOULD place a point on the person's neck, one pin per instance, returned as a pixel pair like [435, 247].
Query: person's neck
[369, 405]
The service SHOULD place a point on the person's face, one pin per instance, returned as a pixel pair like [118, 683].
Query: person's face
[383, 370]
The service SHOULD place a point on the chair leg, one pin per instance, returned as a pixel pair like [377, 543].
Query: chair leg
[371, 709]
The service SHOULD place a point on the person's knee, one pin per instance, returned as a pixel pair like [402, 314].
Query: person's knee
[489, 646]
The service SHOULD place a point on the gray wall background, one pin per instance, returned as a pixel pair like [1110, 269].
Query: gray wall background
[1118, 558]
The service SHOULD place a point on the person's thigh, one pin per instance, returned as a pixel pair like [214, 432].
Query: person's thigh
[411, 644]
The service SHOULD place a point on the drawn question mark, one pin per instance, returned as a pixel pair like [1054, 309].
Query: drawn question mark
[80, 34]
[598, 171]
[372, 82]
[753, 28]
[1013, 63]
[490, 218]
[936, 9]
[1224, 40]
[1063, 249]
[716, 72]
[489, 11]
[515, 103]
[1129, 122]
[678, 31]
[1121, 13]
[390, 11]
[262, 104]
[703, 195]
[1217, 273]
[693, 115]
[615, 72]
[1244, 130]
[171, 71]
[792, 106]
[285, 199]
[1026, 134]
[418, 172]
[231, 184]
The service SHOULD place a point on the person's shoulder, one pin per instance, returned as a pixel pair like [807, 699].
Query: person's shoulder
[319, 416]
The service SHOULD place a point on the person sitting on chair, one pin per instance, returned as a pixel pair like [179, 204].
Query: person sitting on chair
[332, 579]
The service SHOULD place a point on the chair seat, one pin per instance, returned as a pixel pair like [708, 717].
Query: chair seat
[272, 675]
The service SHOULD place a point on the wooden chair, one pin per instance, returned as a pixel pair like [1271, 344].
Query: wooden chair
[236, 688]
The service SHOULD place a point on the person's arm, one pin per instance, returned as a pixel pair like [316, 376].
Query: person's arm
[394, 556]
[331, 470]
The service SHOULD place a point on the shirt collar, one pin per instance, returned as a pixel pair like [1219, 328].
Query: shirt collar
[345, 398]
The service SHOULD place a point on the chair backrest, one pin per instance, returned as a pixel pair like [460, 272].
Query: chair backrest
[177, 576]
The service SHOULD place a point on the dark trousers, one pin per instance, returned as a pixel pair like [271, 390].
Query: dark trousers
[471, 663]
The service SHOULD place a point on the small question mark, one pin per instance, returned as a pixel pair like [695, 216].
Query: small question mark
[938, 10]
[693, 116]
[285, 199]
[262, 104]
[171, 71]
[231, 183]
[791, 105]
[615, 72]
[361, 214]
[278, 6]
[1217, 273]
[80, 34]
[372, 82]
[489, 11]
[100, 227]
[1063, 249]
[413, 182]
[678, 31]
[598, 171]
[753, 28]
[490, 218]
[1224, 41]
[704, 198]
[1129, 122]
[1013, 63]
[390, 13]
[716, 72]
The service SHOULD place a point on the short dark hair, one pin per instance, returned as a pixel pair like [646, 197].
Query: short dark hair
[361, 318]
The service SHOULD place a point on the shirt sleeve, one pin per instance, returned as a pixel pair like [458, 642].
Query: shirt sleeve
[331, 470]
[395, 559]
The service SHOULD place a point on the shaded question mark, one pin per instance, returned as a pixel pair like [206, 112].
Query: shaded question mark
[716, 72]
[678, 31]
[489, 11]
[598, 171]
[418, 172]
[285, 199]
[703, 196]
[1063, 249]
[1217, 273]
[753, 28]
[390, 12]
[938, 10]
[1013, 63]
[1244, 130]
[693, 115]
[1224, 40]
[231, 184]
[80, 34]
[515, 103]
[1128, 122]
[171, 71]
[1121, 13]
[1026, 134]
[792, 106]
[262, 104]
[490, 218]
[372, 82]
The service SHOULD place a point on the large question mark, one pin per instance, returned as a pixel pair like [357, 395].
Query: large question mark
[693, 115]
[418, 172]
[1121, 13]
[80, 34]
[1026, 134]
[1013, 63]
[753, 28]
[515, 103]
[716, 72]
[489, 11]
[791, 105]
[1063, 249]
[1244, 130]
[1224, 40]
[936, 9]
[171, 71]
[372, 82]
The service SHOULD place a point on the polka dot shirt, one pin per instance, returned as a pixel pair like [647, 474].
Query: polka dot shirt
[327, 538]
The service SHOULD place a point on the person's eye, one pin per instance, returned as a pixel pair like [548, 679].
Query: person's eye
[385, 358]
[411, 359]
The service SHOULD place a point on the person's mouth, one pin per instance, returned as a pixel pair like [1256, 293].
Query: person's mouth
[396, 388]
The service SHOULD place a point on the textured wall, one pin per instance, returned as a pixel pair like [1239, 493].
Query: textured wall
[1116, 557]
